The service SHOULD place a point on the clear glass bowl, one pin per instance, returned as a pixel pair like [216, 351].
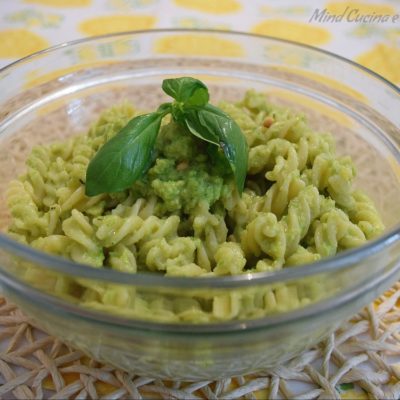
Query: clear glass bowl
[251, 322]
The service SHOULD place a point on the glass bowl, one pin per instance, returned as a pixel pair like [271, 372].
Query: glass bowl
[246, 323]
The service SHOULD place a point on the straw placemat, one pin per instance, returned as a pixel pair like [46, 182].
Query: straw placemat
[360, 360]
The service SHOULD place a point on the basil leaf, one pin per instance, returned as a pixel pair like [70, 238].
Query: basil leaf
[186, 90]
[218, 160]
[165, 108]
[125, 157]
[192, 121]
[199, 97]
[212, 124]
[232, 141]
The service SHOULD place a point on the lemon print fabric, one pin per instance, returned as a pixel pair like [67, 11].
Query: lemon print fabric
[211, 6]
[202, 45]
[116, 23]
[293, 30]
[17, 43]
[61, 3]
[383, 59]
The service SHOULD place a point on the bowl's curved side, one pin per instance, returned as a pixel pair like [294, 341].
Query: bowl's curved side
[197, 356]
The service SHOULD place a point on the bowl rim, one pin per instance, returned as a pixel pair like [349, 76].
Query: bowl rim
[74, 42]
[147, 279]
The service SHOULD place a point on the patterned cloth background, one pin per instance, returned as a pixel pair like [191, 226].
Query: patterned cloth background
[27, 26]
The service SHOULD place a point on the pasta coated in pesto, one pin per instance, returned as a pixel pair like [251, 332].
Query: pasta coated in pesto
[185, 216]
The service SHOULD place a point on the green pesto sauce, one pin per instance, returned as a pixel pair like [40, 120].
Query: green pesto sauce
[186, 171]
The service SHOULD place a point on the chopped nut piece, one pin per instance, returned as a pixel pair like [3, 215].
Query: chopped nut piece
[182, 166]
[268, 122]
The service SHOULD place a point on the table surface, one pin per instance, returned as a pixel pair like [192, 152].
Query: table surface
[360, 359]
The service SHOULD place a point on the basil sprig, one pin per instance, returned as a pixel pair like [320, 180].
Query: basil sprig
[188, 91]
[128, 155]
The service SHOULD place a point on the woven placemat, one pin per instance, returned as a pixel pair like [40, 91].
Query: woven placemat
[360, 360]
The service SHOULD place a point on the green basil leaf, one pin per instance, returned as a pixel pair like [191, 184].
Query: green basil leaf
[218, 160]
[165, 108]
[186, 90]
[211, 124]
[192, 121]
[125, 157]
[199, 97]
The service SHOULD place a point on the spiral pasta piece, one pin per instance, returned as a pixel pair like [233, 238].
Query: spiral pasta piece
[112, 229]
[27, 219]
[210, 229]
[82, 153]
[278, 155]
[160, 254]
[280, 239]
[365, 215]
[53, 244]
[335, 231]
[335, 176]
[264, 235]
[302, 256]
[267, 264]
[110, 122]
[122, 258]
[280, 193]
[229, 259]
[302, 211]
[242, 209]
[86, 248]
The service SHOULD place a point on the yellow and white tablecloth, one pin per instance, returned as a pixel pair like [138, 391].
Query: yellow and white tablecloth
[365, 31]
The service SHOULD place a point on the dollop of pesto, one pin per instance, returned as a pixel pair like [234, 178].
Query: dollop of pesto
[185, 171]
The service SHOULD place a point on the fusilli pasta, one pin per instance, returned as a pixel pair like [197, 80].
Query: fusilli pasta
[186, 218]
